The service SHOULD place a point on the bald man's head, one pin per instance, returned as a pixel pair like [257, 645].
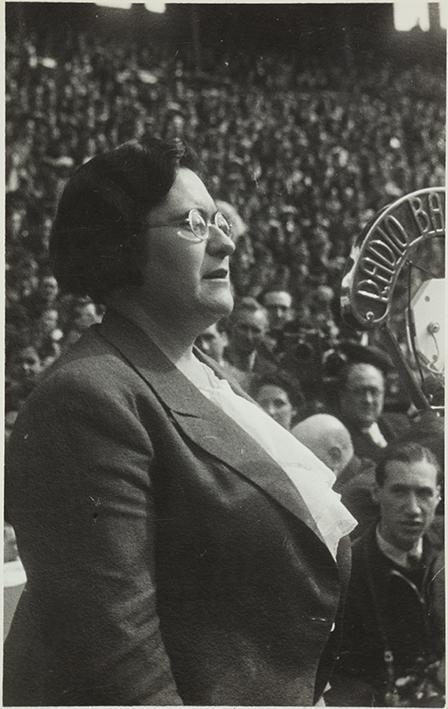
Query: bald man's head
[328, 438]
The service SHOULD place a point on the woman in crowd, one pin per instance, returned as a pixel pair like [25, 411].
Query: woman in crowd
[180, 546]
[279, 395]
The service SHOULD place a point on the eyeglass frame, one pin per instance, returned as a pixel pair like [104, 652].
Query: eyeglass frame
[187, 223]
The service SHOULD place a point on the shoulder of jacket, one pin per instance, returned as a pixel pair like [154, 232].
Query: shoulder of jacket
[96, 374]
[364, 545]
[435, 535]
[397, 423]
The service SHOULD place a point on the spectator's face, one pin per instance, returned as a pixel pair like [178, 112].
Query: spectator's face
[212, 342]
[28, 286]
[52, 356]
[10, 419]
[362, 399]
[408, 501]
[175, 127]
[278, 305]
[15, 222]
[275, 401]
[186, 280]
[248, 330]
[85, 316]
[46, 231]
[27, 269]
[71, 337]
[26, 364]
[49, 288]
[48, 321]
[302, 312]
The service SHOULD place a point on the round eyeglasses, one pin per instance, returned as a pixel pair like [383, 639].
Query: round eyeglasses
[198, 227]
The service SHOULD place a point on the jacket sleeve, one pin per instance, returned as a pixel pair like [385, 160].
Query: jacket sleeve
[86, 532]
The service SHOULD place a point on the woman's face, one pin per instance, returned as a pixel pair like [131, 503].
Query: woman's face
[186, 282]
[275, 401]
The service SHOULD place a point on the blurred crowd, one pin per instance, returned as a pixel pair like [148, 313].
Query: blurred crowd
[305, 151]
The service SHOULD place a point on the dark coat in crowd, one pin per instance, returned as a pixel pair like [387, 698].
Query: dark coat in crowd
[393, 426]
[389, 608]
[355, 485]
[165, 564]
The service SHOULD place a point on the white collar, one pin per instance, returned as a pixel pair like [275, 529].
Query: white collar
[312, 478]
[375, 434]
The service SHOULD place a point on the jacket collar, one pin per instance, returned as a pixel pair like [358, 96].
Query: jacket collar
[377, 567]
[201, 420]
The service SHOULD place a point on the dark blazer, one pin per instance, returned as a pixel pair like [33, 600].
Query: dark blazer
[169, 559]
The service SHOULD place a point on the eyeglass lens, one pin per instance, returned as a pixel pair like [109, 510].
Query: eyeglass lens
[222, 223]
[199, 226]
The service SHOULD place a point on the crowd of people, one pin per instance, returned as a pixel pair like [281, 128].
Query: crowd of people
[306, 155]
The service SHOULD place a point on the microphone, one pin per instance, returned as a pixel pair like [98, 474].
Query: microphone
[394, 283]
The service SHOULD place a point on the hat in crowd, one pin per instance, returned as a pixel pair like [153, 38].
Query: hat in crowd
[362, 354]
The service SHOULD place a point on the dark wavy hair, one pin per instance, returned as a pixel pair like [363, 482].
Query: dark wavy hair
[405, 452]
[96, 243]
[283, 380]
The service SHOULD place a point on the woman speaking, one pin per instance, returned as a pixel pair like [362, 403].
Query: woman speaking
[180, 546]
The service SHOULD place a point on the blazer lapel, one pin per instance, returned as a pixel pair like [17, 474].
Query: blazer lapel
[202, 421]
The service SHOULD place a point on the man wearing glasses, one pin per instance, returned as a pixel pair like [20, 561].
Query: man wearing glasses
[361, 391]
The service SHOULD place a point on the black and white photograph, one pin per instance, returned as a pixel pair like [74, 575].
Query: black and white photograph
[224, 343]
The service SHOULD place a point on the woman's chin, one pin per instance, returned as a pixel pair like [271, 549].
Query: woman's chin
[219, 304]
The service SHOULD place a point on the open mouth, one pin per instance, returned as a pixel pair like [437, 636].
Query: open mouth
[219, 273]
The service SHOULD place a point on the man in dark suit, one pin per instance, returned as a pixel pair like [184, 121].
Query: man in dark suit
[361, 391]
[247, 348]
[394, 614]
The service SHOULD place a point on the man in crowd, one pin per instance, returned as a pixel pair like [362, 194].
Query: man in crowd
[361, 391]
[278, 303]
[23, 370]
[44, 297]
[394, 609]
[24, 364]
[247, 349]
[213, 342]
[328, 438]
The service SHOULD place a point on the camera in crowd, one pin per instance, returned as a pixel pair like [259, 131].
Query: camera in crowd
[312, 354]
[313, 346]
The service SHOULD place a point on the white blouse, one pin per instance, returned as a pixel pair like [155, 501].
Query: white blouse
[310, 475]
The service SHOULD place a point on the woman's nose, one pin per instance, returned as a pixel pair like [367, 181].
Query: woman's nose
[219, 243]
